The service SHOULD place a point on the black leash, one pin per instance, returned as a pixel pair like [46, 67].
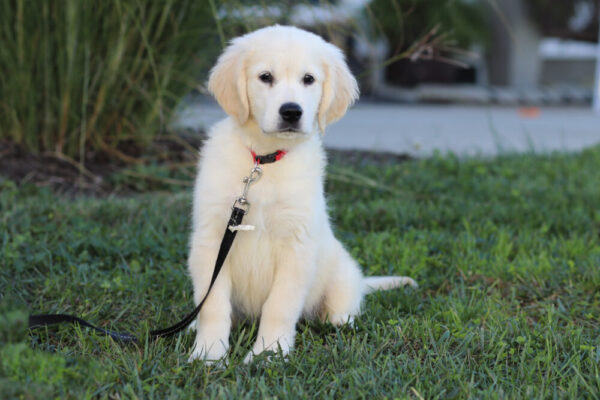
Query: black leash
[240, 208]
[41, 320]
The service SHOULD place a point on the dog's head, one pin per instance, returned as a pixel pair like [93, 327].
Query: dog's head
[290, 81]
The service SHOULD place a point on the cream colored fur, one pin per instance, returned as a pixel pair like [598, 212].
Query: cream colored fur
[291, 265]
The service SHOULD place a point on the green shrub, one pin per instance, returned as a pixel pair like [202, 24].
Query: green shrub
[84, 75]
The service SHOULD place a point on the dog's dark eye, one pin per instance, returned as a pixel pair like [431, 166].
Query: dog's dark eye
[308, 79]
[266, 77]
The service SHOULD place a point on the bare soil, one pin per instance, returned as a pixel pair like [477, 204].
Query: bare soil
[67, 176]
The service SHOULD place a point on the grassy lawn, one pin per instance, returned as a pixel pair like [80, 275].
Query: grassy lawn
[507, 253]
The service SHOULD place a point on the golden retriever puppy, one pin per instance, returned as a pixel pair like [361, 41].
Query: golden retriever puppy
[281, 86]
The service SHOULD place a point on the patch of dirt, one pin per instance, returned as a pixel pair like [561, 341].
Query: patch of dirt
[50, 170]
[176, 154]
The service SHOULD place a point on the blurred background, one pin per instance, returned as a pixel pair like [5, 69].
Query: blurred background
[90, 84]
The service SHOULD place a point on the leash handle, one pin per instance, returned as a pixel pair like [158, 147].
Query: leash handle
[41, 320]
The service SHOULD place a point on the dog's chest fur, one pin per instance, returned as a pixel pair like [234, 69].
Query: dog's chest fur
[281, 214]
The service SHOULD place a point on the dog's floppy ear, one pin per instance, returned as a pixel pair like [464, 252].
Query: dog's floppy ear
[227, 81]
[340, 89]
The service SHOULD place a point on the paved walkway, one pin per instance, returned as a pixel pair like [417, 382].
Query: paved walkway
[419, 130]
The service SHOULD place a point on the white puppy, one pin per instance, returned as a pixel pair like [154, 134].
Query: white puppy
[280, 87]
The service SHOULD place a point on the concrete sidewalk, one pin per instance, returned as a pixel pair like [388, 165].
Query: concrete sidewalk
[419, 130]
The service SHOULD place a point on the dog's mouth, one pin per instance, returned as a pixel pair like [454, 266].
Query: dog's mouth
[287, 132]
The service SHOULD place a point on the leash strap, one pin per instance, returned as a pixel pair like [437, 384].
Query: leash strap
[41, 320]
[236, 218]
[240, 208]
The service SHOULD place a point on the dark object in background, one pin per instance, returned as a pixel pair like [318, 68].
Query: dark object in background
[554, 18]
[408, 73]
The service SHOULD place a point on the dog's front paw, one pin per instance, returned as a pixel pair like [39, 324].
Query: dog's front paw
[210, 351]
[202, 356]
[282, 347]
[265, 355]
[340, 319]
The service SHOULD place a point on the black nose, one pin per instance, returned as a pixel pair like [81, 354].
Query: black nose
[290, 112]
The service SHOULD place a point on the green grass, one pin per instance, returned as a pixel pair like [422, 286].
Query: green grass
[507, 253]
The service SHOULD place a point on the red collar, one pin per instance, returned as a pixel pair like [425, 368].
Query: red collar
[268, 158]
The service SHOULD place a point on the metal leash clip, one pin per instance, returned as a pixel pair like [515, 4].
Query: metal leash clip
[242, 201]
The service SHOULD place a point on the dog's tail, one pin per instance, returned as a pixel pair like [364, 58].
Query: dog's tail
[374, 283]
